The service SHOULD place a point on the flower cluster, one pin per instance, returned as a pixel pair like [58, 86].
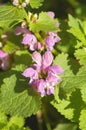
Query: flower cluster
[42, 74]
[4, 60]
[20, 3]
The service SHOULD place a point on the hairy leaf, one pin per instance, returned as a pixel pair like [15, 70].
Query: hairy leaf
[17, 98]
[10, 14]
[44, 23]
[80, 55]
[70, 81]
[77, 29]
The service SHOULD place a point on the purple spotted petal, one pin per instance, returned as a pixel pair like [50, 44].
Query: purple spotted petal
[54, 36]
[55, 69]
[47, 59]
[51, 39]
[53, 79]
[29, 39]
[49, 42]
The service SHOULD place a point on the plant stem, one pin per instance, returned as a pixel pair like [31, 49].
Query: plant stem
[48, 126]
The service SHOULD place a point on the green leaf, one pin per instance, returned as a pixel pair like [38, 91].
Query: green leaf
[17, 98]
[82, 124]
[71, 106]
[44, 23]
[9, 14]
[66, 126]
[22, 60]
[78, 34]
[80, 55]
[36, 3]
[70, 81]
[73, 22]
[15, 120]
[77, 29]
[13, 43]
[84, 26]
[83, 93]
[3, 119]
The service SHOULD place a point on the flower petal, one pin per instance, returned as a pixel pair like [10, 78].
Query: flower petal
[51, 14]
[39, 85]
[29, 39]
[53, 79]
[55, 69]
[47, 59]
[20, 30]
[36, 56]
[31, 73]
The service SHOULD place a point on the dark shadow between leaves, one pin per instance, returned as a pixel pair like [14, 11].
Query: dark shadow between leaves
[77, 104]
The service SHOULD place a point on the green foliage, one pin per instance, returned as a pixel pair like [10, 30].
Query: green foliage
[10, 14]
[44, 23]
[70, 81]
[66, 126]
[80, 54]
[36, 3]
[82, 120]
[71, 104]
[77, 29]
[25, 62]
[83, 93]
[12, 43]
[17, 98]
[12, 123]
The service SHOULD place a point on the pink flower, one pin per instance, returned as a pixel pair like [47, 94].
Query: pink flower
[51, 39]
[51, 14]
[29, 40]
[20, 30]
[4, 60]
[43, 76]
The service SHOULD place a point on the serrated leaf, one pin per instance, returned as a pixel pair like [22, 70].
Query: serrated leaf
[82, 124]
[83, 93]
[77, 29]
[70, 81]
[44, 23]
[9, 14]
[36, 3]
[17, 98]
[73, 22]
[71, 106]
[78, 34]
[80, 55]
